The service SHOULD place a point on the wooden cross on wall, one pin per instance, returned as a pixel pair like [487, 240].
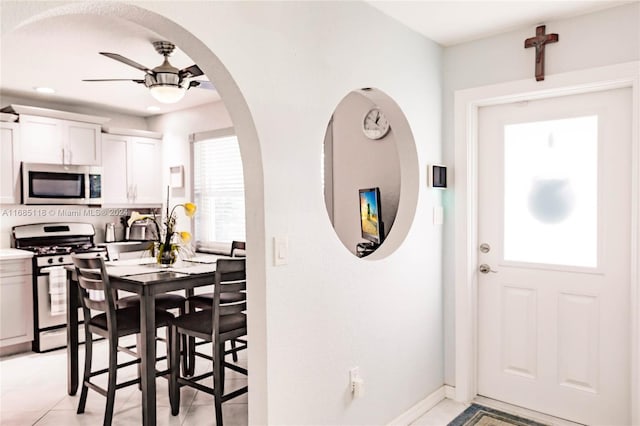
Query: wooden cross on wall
[539, 42]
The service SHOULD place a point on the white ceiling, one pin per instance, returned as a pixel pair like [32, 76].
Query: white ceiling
[450, 22]
[61, 51]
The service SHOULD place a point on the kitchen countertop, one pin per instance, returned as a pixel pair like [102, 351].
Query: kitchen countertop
[11, 254]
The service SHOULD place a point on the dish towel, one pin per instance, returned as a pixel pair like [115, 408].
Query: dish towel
[58, 290]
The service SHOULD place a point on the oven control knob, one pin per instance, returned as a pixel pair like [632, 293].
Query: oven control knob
[50, 260]
[61, 259]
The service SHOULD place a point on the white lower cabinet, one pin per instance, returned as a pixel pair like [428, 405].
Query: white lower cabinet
[131, 170]
[16, 302]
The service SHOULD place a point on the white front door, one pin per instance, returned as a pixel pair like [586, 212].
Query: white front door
[554, 189]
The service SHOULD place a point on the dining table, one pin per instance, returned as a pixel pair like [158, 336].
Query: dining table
[145, 278]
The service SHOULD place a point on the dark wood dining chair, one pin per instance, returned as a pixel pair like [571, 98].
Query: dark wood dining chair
[225, 322]
[205, 301]
[111, 323]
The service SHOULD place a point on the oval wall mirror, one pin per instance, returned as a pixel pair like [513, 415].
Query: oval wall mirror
[361, 171]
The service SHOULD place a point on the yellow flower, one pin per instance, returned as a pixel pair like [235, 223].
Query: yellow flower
[189, 209]
[185, 236]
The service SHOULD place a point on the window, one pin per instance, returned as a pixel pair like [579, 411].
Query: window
[218, 188]
[551, 192]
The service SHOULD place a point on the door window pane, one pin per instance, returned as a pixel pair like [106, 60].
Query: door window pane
[551, 192]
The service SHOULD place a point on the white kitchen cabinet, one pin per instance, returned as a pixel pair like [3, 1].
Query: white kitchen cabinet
[16, 301]
[58, 141]
[131, 170]
[9, 163]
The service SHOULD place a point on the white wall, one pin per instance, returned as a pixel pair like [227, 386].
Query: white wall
[325, 311]
[176, 128]
[603, 38]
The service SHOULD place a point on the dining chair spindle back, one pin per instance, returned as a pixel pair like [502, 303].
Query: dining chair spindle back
[112, 322]
[226, 321]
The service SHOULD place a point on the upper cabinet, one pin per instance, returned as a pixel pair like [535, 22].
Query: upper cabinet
[140, 182]
[58, 137]
[52, 140]
[9, 163]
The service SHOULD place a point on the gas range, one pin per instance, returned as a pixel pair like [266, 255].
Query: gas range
[53, 244]
[61, 255]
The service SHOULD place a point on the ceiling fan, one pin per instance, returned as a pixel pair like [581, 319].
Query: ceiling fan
[166, 83]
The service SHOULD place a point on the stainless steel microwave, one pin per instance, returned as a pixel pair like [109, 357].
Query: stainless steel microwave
[61, 184]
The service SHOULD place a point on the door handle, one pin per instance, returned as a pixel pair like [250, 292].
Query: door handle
[485, 269]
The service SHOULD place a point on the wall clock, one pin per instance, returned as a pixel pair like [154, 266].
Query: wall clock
[375, 124]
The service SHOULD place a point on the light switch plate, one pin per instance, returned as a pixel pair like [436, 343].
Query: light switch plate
[280, 250]
[438, 215]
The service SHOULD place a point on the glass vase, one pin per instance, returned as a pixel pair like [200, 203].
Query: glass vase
[166, 256]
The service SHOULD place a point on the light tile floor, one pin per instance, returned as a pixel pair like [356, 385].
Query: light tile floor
[33, 392]
[440, 415]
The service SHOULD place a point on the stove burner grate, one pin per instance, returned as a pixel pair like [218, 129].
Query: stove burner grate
[55, 250]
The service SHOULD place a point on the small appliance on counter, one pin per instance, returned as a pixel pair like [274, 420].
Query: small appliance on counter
[110, 233]
[142, 230]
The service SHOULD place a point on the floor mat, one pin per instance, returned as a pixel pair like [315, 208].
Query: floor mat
[477, 415]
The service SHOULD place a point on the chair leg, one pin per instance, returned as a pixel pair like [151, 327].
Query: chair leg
[186, 360]
[139, 367]
[111, 387]
[220, 356]
[218, 379]
[234, 354]
[88, 357]
[174, 388]
[190, 352]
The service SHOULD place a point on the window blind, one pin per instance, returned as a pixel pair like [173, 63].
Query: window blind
[218, 188]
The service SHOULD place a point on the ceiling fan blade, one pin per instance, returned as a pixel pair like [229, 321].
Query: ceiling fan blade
[127, 61]
[202, 84]
[192, 71]
[116, 79]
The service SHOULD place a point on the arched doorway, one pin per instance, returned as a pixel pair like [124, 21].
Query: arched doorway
[250, 151]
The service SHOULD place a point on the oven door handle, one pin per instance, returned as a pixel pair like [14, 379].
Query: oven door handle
[47, 269]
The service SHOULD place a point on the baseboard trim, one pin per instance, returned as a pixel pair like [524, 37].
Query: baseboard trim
[450, 392]
[415, 412]
[15, 349]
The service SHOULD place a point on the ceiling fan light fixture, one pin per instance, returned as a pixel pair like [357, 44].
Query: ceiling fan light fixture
[167, 94]
[166, 83]
[166, 87]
